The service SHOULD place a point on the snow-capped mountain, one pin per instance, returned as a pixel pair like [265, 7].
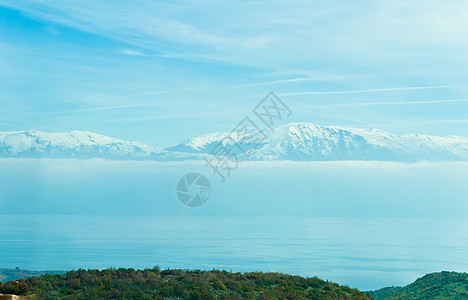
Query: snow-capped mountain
[78, 144]
[310, 142]
[295, 141]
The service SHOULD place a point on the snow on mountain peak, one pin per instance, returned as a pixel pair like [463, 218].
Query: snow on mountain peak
[294, 141]
[306, 142]
[76, 144]
[200, 142]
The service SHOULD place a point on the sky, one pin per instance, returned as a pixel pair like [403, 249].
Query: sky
[160, 72]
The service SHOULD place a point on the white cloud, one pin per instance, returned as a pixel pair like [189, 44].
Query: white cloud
[131, 52]
[336, 48]
[400, 102]
[274, 34]
[308, 79]
[366, 90]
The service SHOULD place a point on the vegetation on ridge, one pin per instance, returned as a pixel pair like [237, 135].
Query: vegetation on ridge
[443, 285]
[177, 284]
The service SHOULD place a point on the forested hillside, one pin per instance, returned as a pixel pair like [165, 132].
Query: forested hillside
[443, 285]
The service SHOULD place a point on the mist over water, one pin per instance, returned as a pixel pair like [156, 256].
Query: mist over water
[365, 224]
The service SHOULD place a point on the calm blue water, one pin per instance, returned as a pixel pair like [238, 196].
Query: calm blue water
[362, 253]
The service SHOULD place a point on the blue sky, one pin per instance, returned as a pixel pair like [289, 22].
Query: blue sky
[162, 71]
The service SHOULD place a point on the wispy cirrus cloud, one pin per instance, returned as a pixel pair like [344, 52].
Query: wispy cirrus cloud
[446, 121]
[188, 57]
[393, 89]
[270, 34]
[165, 116]
[400, 102]
[131, 52]
[308, 79]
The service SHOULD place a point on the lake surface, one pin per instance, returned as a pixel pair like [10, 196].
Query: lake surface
[365, 253]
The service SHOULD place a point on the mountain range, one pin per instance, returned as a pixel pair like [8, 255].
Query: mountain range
[294, 141]
[80, 145]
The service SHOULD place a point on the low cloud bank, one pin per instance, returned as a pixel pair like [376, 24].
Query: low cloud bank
[315, 189]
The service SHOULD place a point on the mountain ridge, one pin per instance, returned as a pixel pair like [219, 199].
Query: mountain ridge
[80, 145]
[310, 142]
[299, 141]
